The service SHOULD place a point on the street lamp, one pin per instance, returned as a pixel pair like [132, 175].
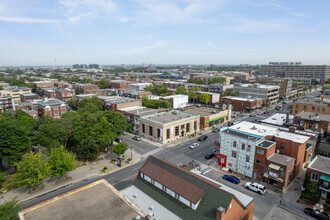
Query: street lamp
[131, 148]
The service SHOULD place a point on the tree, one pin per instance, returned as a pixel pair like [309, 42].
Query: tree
[201, 82]
[14, 141]
[32, 169]
[1, 88]
[72, 104]
[267, 103]
[118, 120]
[79, 90]
[9, 210]
[205, 98]
[104, 83]
[181, 90]
[229, 93]
[90, 105]
[160, 90]
[61, 161]
[217, 80]
[155, 103]
[2, 177]
[120, 148]
[88, 149]
[191, 80]
[193, 93]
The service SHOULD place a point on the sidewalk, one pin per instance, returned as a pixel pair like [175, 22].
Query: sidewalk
[83, 172]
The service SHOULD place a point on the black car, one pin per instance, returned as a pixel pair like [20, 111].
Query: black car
[316, 214]
[216, 130]
[117, 140]
[202, 138]
[209, 156]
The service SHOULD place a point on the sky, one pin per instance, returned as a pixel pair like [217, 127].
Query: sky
[36, 32]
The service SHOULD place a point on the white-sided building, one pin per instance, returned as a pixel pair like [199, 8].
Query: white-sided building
[177, 101]
[139, 86]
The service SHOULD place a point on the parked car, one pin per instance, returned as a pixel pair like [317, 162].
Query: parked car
[216, 130]
[234, 116]
[202, 138]
[316, 214]
[255, 120]
[266, 112]
[194, 145]
[235, 122]
[253, 115]
[124, 133]
[137, 138]
[231, 178]
[198, 167]
[256, 187]
[209, 156]
[117, 140]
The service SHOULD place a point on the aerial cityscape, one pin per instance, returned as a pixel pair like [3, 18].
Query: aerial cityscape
[152, 110]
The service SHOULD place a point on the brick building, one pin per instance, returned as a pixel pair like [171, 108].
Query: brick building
[50, 107]
[29, 97]
[315, 105]
[48, 92]
[121, 84]
[243, 104]
[313, 121]
[113, 103]
[65, 94]
[8, 103]
[85, 87]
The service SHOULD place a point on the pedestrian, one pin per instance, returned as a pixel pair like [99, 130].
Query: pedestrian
[280, 201]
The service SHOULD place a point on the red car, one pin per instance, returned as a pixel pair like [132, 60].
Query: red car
[266, 112]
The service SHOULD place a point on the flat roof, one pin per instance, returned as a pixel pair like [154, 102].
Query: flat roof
[117, 99]
[260, 86]
[174, 96]
[242, 99]
[98, 200]
[265, 130]
[280, 159]
[141, 111]
[266, 144]
[167, 117]
[311, 100]
[321, 164]
[203, 111]
[242, 134]
[277, 119]
[313, 116]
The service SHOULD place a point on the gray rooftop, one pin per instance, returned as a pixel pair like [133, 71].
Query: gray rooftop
[313, 116]
[141, 111]
[30, 95]
[266, 144]
[203, 111]
[315, 101]
[50, 101]
[280, 159]
[321, 164]
[171, 116]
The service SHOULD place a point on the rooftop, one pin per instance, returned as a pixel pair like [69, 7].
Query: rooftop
[97, 200]
[203, 111]
[167, 117]
[314, 101]
[120, 81]
[242, 99]
[30, 95]
[280, 159]
[48, 101]
[266, 144]
[242, 134]
[321, 164]
[313, 116]
[277, 119]
[174, 96]
[259, 86]
[117, 99]
[141, 111]
[265, 130]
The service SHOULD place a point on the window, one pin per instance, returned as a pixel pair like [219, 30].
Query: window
[234, 144]
[249, 148]
[247, 159]
[233, 154]
[188, 127]
[167, 133]
[243, 146]
[314, 177]
[259, 162]
[195, 125]
[323, 109]
[296, 111]
[260, 151]
[177, 131]
[282, 146]
[305, 107]
[318, 108]
[296, 106]
[158, 133]
[313, 108]
[143, 128]
[150, 131]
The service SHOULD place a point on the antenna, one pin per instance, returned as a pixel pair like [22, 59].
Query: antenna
[55, 64]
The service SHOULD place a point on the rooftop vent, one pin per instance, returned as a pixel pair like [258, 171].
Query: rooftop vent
[151, 208]
[254, 128]
[135, 195]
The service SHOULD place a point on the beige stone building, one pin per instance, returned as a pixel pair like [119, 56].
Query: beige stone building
[15, 92]
[169, 126]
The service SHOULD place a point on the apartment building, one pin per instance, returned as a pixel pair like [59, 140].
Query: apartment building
[38, 85]
[296, 70]
[15, 92]
[313, 121]
[120, 84]
[64, 94]
[50, 107]
[8, 103]
[314, 105]
[133, 93]
[85, 87]
[256, 90]
[245, 148]
[299, 86]
[243, 104]
[285, 85]
[169, 126]
[139, 86]
[29, 97]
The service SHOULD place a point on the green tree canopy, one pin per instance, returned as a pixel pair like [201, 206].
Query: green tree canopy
[160, 90]
[88, 149]
[155, 103]
[9, 210]
[1, 88]
[217, 80]
[61, 161]
[205, 98]
[118, 121]
[193, 93]
[72, 104]
[181, 90]
[191, 80]
[120, 148]
[229, 93]
[201, 82]
[90, 105]
[104, 83]
[32, 169]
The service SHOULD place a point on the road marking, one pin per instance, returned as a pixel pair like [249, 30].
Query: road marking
[196, 149]
[136, 168]
[124, 179]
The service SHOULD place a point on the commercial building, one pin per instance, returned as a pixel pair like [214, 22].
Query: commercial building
[258, 91]
[50, 107]
[177, 101]
[211, 116]
[189, 195]
[120, 84]
[7, 103]
[113, 103]
[319, 171]
[314, 105]
[139, 86]
[169, 126]
[285, 85]
[245, 147]
[213, 97]
[299, 86]
[97, 200]
[15, 92]
[313, 121]
[29, 97]
[243, 104]
[296, 70]
[279, 119]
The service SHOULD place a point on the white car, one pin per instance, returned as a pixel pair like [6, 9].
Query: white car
[137, 138]
[194, 145]
[256, 187]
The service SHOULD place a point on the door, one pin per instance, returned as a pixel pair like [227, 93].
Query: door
[324, 194]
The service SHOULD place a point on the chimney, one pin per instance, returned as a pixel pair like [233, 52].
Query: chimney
[292, 129]
[287, 117]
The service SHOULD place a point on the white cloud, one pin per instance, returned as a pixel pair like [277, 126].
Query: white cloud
[143, 49]
[28, 20]
[300, 15]
[123, 20]
[210, 43]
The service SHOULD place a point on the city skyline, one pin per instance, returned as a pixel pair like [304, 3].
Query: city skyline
[172, 32]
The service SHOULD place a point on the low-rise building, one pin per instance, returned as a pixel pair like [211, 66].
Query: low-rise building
[299, 86]
[243, 104]
[113, 103]
[319, 171]
[85, 87]
[139, 86]
[43, 84]
[285, 85]
[213, 97]
[7, 103]
[177, 101]
[313, 121]
[50, 107]
[3, 84]
[65, 94]
[120, 84]
[314, 105]
[133, 93]
[220, 87]
[166, 127]
[103, 92]
[15, 92]
[211, 116]
[29, 97]
[48, 92]
[279, 119]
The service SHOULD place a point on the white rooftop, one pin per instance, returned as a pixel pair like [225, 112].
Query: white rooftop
[278, 119]
[265, 130]
[260, 86]
[242, 99]
[144, 202]
[174, 96]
